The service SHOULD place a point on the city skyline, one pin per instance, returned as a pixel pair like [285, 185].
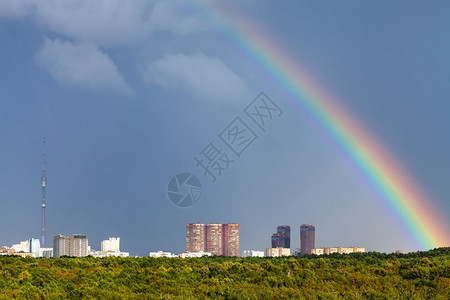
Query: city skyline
[211, 239]
[126, 107]
[211, 235]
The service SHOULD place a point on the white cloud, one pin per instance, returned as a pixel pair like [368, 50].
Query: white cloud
[15, 9]
[177, 17]
[201, 76]
[103, 22]
[107, 22]
[80, 65]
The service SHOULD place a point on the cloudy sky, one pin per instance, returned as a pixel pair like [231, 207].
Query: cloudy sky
[127, 93]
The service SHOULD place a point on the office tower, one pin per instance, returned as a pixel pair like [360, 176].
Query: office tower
[307, 238]
[35, 246]
[75, 245]
[230, 233]
[213, 239]
[282, 239]
[195, 237]
[43, 203]
[111, 245]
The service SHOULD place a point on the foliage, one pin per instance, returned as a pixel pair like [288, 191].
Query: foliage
[419, 275]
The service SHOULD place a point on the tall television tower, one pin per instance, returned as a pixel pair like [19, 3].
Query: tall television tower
[43, 184]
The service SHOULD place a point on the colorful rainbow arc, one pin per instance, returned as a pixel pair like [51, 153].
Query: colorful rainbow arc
[412, 207]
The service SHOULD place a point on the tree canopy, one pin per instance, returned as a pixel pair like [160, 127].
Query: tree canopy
[418, 275]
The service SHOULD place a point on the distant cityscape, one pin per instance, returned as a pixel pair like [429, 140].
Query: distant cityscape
[75, 245]
[213, 239]
[281, 244]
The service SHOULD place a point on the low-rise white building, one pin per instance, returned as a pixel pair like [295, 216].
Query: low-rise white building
[46, 252]
[6, 251]
[95, 253]
[252, 253]
[340, 250]
[118, 254]
[277, 252]
[161, 254]
[24, 254]
[22, 247]
[194, 254]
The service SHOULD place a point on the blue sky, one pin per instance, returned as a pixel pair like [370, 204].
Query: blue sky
[128, 92]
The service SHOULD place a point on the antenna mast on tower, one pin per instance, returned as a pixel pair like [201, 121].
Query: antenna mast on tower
[43, 184]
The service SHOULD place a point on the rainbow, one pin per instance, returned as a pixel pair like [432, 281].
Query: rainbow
[409, 204]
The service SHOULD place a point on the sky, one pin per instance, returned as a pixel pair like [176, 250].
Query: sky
[127, 93]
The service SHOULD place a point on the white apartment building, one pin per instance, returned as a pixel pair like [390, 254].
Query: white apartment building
[111, 245]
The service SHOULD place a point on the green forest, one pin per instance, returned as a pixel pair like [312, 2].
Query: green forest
[418, 275]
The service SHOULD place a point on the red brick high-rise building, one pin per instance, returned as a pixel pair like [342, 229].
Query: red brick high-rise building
[195, 237]
[213, 239]
[217, 239]
[231, 239]
[307, 238]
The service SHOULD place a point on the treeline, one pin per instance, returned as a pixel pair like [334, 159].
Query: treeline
[419, 275]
